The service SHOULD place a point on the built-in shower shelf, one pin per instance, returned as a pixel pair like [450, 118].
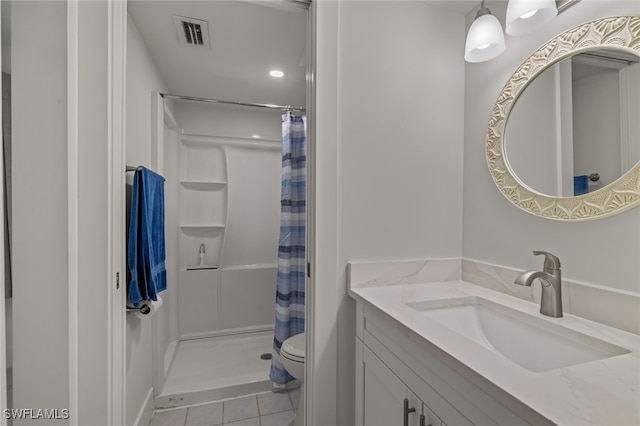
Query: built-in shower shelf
[201, 230]
[203, 185]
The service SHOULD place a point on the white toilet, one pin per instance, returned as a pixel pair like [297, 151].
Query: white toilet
[292, 355]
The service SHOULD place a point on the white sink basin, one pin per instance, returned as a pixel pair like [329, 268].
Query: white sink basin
[529, 341]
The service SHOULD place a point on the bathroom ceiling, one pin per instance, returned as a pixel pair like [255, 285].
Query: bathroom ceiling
[248, 39]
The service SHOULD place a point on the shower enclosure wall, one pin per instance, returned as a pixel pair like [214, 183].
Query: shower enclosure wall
[222, 167]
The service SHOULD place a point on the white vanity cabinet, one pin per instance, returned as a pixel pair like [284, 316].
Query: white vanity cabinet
[386, 399]
[393, 365]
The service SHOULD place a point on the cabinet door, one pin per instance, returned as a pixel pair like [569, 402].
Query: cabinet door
[384, 394]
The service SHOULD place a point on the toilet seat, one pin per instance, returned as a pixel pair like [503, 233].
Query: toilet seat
[292, 358]
[293, 348]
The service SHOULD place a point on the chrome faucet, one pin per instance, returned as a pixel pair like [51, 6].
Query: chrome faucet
[550, 277]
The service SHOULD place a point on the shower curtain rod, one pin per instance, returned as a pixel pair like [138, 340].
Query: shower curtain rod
[218, 101]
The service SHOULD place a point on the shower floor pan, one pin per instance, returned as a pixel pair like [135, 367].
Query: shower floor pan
[216, 368]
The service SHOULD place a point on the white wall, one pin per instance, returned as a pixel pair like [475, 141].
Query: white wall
[228, 120]
[603, 252]
[143, 78]
[41, 338]
[253, 222]
[399, 157]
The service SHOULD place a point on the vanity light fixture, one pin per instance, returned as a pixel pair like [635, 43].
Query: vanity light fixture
[485, 39]
[525, 16]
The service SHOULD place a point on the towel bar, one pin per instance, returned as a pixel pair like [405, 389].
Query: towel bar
[135, 169]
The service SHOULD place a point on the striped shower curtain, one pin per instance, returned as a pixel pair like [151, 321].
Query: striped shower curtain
[291, 247]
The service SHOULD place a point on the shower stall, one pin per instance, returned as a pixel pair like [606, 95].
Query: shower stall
[222, 165]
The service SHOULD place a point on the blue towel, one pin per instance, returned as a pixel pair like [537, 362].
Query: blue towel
[580, 184]
[146, 246]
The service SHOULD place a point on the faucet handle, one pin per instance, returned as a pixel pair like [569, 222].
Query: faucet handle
[551, 262]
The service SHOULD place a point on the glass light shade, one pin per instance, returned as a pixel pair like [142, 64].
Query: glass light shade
[485, 39]
[525, 16]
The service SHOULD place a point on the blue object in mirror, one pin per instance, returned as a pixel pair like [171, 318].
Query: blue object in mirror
[580, 184]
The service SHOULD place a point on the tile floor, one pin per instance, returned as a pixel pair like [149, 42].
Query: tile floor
[262, 409]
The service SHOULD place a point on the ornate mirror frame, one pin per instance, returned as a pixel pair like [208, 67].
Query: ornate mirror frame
[621, 33]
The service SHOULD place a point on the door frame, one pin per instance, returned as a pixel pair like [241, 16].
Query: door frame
[115, 281]
[3, 335]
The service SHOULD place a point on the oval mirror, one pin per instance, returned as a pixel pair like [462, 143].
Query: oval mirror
[564, 141]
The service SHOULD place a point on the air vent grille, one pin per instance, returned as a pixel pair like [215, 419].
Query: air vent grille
[191, 32]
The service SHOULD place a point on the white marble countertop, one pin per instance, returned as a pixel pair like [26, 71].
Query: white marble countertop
[603, 392]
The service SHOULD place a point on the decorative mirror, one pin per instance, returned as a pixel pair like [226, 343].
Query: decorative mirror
[552, 166]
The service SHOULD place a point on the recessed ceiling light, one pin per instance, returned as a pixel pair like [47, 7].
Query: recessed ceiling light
[276, 73]
[256, 136]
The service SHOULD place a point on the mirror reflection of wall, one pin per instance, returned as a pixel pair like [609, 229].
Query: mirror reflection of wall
[600, 113]
[534, 132]
[573, 128]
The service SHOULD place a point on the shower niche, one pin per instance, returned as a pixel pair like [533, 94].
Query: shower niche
[202, 213]
[202, 199]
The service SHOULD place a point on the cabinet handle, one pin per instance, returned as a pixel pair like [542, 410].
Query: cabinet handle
[407, 410]
[423, 420]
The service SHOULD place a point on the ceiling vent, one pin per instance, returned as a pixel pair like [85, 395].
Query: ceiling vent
[192, 32]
